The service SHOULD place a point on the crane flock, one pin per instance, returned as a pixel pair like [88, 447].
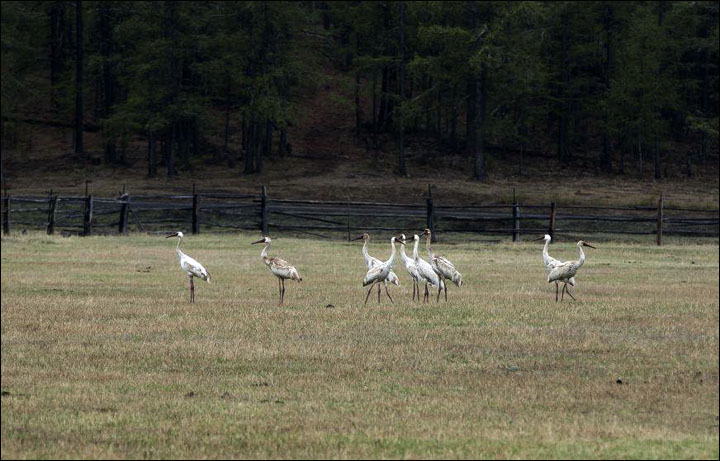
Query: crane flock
[432, 273]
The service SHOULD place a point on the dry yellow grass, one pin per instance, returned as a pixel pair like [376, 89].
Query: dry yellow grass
[103, 356]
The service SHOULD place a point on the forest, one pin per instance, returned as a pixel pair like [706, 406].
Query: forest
[633, 84]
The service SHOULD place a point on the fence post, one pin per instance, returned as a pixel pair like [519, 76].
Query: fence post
[124, 207]
[6, 215]
[195, 212]
[431, 214]
[51, 215]
[88, 216]
[516, 219]
[660, 219]
[551, 231]
[263, 211]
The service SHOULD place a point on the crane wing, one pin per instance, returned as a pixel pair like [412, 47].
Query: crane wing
[192, 267]
[560, 272]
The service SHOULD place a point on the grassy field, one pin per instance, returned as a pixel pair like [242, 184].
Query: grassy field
[104, 357]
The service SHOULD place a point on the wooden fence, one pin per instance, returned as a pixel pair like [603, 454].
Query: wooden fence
[88, 215]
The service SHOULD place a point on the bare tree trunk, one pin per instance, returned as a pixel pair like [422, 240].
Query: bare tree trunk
[107, 78]
[656, 158]
[606, 160]
[227, 119]
[57, 51]
[402, 165]
[152, 163]
[171, 151]
[480, 173]
[269, 131]
[470, 101]
[358, 115]
[79, 79]
[640, 155]
[374, 110]
[562, 149]
[250, 152]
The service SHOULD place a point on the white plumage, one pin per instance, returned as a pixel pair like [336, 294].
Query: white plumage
[371, 262]
[550, 262]
[380, 272]
[425, 272]
[411, 267]
[191, 267]
[563, 272]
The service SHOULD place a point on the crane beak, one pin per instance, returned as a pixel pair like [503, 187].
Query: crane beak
[171, 235]
[259, 241]
[588, 245]
[539, 238]
[357, 238]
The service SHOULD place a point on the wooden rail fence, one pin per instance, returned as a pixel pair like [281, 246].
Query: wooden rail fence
[87, 215]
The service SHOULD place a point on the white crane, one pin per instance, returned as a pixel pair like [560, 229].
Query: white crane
[371, 262]
[563, 272]
[551, 263]
[279, 267]
[426, 273]
[380, 272]
[191, 267]
[412, 268]
[442, 267]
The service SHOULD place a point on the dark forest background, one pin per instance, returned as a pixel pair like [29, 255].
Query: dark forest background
[631, 85]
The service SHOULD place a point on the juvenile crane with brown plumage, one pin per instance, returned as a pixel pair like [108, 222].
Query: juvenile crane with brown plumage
[279, 267]
[442, 267]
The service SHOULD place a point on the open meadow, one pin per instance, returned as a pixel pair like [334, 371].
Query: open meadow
[103, 356]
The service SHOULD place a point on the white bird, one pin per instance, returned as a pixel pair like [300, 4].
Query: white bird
[191, 267]
[412, 268]
[380, 272]
[371, 262]
[425, 272]
[551, 263]
[563, 272]
[442, 267]
[279, 267]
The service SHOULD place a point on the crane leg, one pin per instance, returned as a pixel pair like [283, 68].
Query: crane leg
[388, 294]
[426, 298]
[368, 293]
[568, 292]
[192, 290]
[562, 294]
[378, 292]
[446, 292]
[413, 290]
[282, 292]
[437, 299]
[556, 292]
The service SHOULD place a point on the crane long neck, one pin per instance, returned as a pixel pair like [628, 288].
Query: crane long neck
[545, 250]
[404, 255]
[365, 250]
[264, 253]
[415, 249]
[427, 246]
[392, 254]
[581, 259]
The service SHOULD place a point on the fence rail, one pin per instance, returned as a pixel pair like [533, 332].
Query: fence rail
[84, 215]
